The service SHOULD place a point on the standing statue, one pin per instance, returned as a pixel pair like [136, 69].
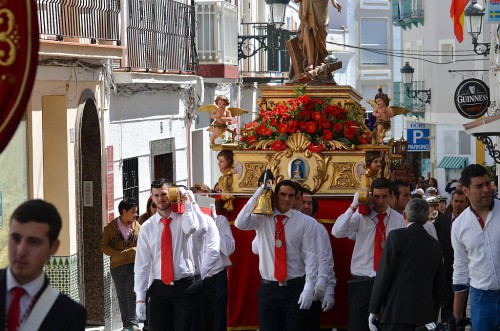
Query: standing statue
[311, 38]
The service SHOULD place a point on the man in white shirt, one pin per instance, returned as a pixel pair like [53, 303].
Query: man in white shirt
[475, 237]
[164, 254]
[370, 232]
[27, 301]
[286, 252]
[214, 268]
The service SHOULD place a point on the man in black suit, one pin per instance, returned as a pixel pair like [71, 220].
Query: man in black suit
[27, 301]
[408, 286]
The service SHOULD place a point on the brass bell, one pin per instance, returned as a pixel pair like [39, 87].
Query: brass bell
[264, 203]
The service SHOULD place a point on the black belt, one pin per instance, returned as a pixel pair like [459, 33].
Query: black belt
[357, 279]
[293, 281]
[175, 282]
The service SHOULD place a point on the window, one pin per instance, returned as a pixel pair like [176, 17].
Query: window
[464, 147]
[446, 51]
[461, 145]
[450, 136]
[131, 178]
[374, 36]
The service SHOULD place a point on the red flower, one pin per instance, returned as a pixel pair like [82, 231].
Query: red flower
[337, 127]
[274, 122]
[252, 140]
[325, 124]
[282, 128]
[310, 127]
[317, 116]
[350, 132]
[292, 126]
[316, 148]
[327, 135]
[363, 140]
[277, 145]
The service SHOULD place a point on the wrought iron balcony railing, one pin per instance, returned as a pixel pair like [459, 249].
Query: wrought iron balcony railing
[94, 20]
[160, 37]
[262, 51]
[407, 12]
[402, 99]
[217, 34]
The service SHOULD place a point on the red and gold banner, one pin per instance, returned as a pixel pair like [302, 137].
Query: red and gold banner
[18, 62]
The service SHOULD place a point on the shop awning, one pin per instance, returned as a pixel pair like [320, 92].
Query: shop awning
[453, 162]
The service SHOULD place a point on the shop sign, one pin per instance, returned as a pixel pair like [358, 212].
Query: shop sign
[18, 62]
[472, 98]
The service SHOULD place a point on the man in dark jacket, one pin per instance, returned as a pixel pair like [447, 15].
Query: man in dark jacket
[27, 301]
[408, 286]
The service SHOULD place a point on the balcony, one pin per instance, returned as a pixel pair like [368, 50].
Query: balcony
[262, 52]
[402, 99]
[217, 39]
[79, 28]
[406, 13]
[160, 37]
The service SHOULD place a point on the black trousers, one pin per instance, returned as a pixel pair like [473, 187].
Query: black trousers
[397, 327]
[171, 307]
[313, 315]
[359, 295]
[448, 296]
[215, 292]
[198, 322]
[278, 308]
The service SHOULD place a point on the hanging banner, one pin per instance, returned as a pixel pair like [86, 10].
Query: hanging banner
[472, 98]
[18, 62]
[493, 11]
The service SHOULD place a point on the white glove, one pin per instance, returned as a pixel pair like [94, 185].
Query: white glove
[140, 311]
[190, 195]
[355, 198]
[305, 299]
[328, 302]
[319, 290]
[371, 322]
[214, 212]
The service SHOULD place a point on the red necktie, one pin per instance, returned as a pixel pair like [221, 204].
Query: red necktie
[167, 267]
[379, 239]
[280, 271]
[14, 309]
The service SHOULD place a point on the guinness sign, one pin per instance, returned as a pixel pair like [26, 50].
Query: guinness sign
[18, 62]
[472, 98]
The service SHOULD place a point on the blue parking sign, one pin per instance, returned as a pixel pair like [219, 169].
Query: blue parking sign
[418, 139]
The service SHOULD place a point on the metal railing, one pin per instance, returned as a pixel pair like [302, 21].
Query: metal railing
[262, 51]
[95, 20]
[407, 12]
[217, 35]
[160, 37]
[402, 99]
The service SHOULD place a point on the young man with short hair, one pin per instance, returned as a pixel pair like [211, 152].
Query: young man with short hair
[27, 300]
[475, 236]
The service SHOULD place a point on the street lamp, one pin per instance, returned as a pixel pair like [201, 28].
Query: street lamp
[474, 14]
[407, 74]
[277, 9]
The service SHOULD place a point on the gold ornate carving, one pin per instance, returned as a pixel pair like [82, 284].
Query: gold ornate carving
[343, 175]
[225, 183]
[8, 37]
[298, 142]
[334, 144]
[252, 172]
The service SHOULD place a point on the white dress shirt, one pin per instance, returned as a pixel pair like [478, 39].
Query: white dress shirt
[206, 243]
[31, 290]
[148, 254]
[353, 224]
[325, 259]
[431, 229]
[301, 256]
[477, 251]
[227, 245]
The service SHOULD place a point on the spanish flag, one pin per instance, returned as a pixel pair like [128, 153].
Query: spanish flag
[457, 9]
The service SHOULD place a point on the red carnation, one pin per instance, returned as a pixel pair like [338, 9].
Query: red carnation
[317, 116]
[282, 128]
[277, 145]
[327, 135]
[350, 132]
[337, 127]
[252, 140]
[316, 148]
[310, 127]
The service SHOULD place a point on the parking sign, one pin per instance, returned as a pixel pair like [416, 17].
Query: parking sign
[418, 138]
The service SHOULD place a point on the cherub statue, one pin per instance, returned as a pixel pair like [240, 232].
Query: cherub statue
[221, 116]
[383, 113]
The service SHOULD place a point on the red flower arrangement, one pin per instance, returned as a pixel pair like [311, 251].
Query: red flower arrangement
[316, 118]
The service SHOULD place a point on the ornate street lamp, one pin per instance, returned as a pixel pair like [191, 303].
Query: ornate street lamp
[407, 75]
[474, 14]
[277, 9]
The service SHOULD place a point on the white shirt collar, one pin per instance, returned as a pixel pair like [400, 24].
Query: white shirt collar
[32, 288]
